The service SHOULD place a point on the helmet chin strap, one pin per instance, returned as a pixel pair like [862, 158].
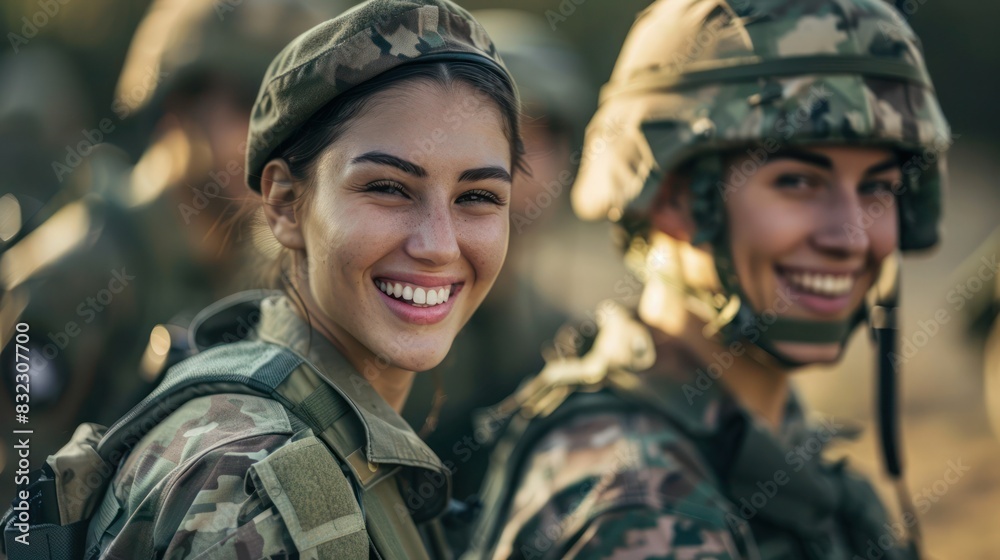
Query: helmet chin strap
[881, 312]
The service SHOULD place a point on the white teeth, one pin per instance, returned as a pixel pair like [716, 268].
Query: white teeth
[823, 284]
[417, 295]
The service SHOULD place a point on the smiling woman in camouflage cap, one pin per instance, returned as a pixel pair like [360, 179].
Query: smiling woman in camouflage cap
[766, 160]
[382, 145]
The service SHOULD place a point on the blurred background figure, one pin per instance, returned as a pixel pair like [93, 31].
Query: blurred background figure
[111, 279]
[976, 295]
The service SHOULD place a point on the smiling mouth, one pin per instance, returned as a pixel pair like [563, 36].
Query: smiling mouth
[824, 284]
[417, 296]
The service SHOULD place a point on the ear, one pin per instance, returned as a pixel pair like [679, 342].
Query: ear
[671, 212]
[280, 192]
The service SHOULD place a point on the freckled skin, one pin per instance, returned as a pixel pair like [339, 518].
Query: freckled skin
[826, 222]
[353, 236]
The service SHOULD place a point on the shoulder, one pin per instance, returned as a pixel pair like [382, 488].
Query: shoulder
[225, 473]
[599, 473]
[203, 433]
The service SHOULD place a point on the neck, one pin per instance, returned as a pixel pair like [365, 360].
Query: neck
[391, 383]
[763, 390]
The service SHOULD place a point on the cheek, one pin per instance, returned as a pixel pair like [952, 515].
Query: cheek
[884, 235]
[760, 235]
[484, 243]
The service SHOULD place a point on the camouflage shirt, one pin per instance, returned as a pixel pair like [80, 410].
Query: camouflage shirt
[693, 475]
[185, 491]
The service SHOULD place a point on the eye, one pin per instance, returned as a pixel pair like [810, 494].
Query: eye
[796, 182]
[480, 196]
[387, 187]
[877, 186]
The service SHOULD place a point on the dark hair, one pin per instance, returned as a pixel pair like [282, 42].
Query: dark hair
[303, 148]
[329, 123]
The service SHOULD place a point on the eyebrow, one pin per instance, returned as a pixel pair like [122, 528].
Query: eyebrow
[478, 174]
[806, 157]
[891, 163]
[382, 158]
[485, 173]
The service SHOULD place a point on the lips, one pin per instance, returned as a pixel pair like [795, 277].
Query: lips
[825, 292]
[415, 294]
[820, 283]
[418, 299]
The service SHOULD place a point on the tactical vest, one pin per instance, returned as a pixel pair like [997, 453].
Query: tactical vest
[603, 382]
[69, 507]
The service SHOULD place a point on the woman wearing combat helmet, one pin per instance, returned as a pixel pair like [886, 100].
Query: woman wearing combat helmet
[295, 446]
[772, 161]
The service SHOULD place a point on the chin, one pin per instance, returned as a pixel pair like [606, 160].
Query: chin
[420, 359]
[806, 354]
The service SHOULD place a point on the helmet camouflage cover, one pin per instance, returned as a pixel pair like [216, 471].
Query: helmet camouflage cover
[706, 76]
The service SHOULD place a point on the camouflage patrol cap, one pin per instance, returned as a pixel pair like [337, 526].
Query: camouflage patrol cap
[701, 76]
[366, 41]
[181, 40]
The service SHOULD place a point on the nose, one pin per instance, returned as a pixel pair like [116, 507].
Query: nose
[434, 239]
[844, 225]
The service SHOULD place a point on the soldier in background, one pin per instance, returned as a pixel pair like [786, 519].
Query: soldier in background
[502, 343]
[981, 311]
[147, 247]
[775, 158]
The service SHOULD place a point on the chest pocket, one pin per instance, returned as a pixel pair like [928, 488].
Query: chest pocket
[304, 482]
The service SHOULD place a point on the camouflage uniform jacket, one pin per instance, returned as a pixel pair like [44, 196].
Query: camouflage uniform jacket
[667, 465]
[191, 487]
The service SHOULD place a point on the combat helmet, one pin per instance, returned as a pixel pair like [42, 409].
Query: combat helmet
[696, 78]
[699, 78]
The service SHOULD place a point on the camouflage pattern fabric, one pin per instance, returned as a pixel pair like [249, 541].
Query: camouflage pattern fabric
[674, 467]
[366, 41]
[206, 481]
[697, 76]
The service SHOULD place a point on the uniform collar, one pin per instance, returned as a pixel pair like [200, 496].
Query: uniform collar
[754, 459]
[390, 439]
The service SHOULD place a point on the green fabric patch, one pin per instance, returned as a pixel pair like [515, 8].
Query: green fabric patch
[304, 482]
